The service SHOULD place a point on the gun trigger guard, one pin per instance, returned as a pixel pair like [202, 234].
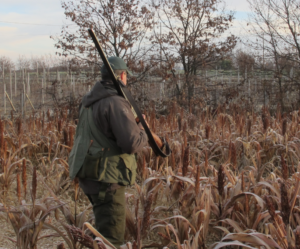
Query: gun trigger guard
[163, 141]
[165, 145]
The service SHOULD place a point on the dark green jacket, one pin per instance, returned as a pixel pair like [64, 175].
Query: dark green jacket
[113, 117]
[98, 152]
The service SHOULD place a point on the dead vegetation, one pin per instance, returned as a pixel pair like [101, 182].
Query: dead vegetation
[232, 180]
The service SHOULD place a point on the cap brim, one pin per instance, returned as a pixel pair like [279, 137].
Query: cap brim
[129, 72]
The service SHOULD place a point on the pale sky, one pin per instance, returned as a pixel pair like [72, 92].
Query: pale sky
[26, 25]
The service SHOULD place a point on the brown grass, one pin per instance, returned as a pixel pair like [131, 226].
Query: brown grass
[224, 182]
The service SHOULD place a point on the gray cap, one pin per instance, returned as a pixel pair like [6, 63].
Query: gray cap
[116, 63]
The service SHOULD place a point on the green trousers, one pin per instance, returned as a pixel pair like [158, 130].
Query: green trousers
[109, 211]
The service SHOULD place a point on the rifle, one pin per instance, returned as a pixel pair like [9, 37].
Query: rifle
[155, 141]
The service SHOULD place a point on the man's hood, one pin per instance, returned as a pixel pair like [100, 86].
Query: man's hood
[100, 90]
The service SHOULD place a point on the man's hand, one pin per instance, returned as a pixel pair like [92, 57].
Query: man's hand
[157, 139]
[139, 123]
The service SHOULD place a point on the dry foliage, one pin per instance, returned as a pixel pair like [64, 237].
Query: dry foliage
[230, 181]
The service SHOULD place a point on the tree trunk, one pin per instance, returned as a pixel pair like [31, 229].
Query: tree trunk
[281, 96]
[190, 91]
[190, 86]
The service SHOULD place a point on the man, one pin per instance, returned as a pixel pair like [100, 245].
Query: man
[107, 136]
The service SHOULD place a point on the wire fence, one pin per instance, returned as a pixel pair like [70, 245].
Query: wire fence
[24, 91]
[214, 87]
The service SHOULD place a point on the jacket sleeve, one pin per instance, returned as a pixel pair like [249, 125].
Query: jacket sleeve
[129, 137]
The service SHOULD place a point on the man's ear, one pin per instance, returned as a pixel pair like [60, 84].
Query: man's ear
[122, 76]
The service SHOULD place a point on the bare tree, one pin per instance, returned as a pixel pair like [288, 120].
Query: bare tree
[275, 23]
[23, 62]
[244, 61]
[6, 63]
[45, 61]
[120, 25]
[190, 34]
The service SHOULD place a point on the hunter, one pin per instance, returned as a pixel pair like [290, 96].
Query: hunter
[107, 136]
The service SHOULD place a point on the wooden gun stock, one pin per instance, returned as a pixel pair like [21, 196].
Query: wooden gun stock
[158, 141]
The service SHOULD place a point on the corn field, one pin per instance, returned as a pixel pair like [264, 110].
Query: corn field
[232, 181]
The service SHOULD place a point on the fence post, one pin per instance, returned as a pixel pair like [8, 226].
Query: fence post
[255, 84]
[28, 84]
[58, 77]
[73, 86]
[161, 90]
[22, 101]
[4, 87]
[22, 88]
[15, 83]
[37, 72]
[71, 78]
[83, 85]
[222, 84]
[44, 85]
[44, 74]
[93, 72]
[84, 81]
[216, 85]
[143, 93]
[222, 77]
[3, 73]
[249, 88]
[255, 80]
[238, 77]
[10, 83]
[43, 92]
[246, 80]
[4, 95]
[24, 92]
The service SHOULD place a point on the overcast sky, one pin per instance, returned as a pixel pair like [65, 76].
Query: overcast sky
[26, 25]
